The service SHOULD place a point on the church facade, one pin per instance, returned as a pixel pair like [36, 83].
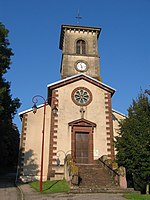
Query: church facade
[84, 124]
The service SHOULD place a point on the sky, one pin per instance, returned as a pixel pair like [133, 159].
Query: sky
[34, 32]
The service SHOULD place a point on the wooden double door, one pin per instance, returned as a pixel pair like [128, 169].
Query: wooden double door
[82, 147]
[82, 140]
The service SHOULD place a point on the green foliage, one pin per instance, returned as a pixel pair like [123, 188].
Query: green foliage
[5, 52]
[9, 135]
[52, 186]
[135, 196]
[133, 142]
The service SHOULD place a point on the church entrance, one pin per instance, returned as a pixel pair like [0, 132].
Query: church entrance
[82, 147]
[82, 140]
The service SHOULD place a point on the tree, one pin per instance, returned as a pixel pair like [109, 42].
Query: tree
[133, 142]
[9, 135]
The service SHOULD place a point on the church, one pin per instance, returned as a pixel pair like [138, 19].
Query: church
[78, 117]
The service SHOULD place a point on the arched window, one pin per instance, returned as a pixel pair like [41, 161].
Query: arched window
[80, 47]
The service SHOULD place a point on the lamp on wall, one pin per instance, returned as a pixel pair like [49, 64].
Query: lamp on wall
[34, 108]
[55, 110]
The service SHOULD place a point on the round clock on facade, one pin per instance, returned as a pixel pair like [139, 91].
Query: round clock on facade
[81, 96]
[81, 66]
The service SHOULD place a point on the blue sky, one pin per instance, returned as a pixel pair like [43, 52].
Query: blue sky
[124, 44]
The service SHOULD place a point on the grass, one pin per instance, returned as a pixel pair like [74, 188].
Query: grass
[134, 196]
[52, 186]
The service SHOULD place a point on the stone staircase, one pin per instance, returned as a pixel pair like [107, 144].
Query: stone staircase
[95, 178]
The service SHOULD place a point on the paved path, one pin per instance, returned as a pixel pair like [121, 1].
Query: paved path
[30, 194]
[8, 190]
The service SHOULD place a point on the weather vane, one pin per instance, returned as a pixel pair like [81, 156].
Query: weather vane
[78, 17]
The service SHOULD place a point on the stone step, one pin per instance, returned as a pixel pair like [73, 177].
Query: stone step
[100, 190]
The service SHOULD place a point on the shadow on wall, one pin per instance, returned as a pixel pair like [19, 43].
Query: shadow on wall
[114, 118]
[28, 167]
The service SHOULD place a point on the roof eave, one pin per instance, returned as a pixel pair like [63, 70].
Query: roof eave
[76, 78]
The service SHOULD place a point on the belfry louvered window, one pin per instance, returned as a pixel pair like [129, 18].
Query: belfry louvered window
[80, 47]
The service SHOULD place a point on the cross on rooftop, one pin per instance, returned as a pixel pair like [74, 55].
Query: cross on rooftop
[78, 17]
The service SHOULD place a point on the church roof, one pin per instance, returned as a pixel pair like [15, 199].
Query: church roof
[78, 77]
[119, 113]
[72, 79]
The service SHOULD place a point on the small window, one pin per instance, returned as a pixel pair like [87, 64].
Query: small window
[80, 47]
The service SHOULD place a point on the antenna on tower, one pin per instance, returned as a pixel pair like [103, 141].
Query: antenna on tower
[78, 17]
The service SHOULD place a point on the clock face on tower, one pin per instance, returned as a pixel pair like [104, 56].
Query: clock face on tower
[81, 66]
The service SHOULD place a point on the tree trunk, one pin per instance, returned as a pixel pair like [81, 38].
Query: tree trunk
[147, 189]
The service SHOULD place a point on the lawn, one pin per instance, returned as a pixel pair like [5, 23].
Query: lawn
[52, 186]
[134, 196]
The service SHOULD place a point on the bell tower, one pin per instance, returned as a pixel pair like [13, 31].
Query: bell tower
[79, 45]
